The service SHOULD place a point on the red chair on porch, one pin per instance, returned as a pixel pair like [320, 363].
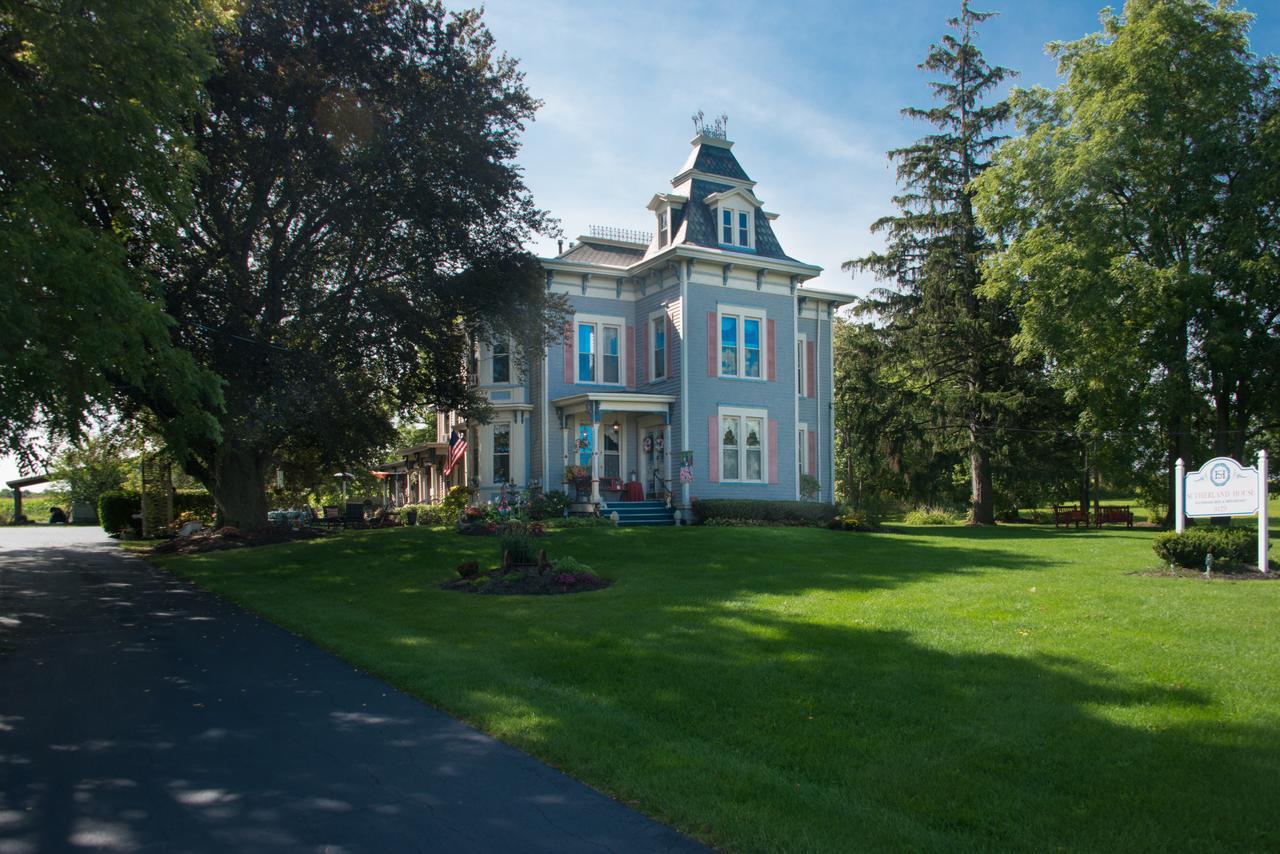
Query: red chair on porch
[633, 490]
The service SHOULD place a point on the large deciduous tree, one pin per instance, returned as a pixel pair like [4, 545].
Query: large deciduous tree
[1140, 214]
[358, 224]
[950, 341]
[95, 170]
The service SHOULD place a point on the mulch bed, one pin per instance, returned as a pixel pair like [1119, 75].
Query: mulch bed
[523, 581]
[233, 538]
[1226, 572]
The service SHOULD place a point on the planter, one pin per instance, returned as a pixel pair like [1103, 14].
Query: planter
[411, 517]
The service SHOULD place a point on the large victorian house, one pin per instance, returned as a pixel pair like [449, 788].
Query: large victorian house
[696, 365]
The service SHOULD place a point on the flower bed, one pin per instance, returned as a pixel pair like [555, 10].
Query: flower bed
[528, 580]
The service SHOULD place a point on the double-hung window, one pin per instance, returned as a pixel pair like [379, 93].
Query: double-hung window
[599, 343]
[735, 227]
[742, 343]
[664, 225]
[501, 453]
[501, 363]
[742, 445]
[658, 346]
[802, 366]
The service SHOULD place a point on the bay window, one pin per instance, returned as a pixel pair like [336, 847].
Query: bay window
[501, 362]
[501, 453]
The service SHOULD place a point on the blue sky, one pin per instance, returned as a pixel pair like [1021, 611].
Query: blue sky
[812, 90]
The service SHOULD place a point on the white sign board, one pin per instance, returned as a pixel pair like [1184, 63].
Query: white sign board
[1222, 487]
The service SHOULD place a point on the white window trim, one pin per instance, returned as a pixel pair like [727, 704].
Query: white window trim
[493, 450]
[742, 313]
[486, 360]
[598, 321]
[664, 226]
[743, 413]
[802, 368]
[802, 453]
[735, 211]
[651, 342]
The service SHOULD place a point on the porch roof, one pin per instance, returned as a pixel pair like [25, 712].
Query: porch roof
[620, 401]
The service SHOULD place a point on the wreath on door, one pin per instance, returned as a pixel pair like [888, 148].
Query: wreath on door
[648, 444]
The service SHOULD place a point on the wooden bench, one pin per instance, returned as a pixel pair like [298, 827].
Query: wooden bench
[1069, 514]
[1113, 516]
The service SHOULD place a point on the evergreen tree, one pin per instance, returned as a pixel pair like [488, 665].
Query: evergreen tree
[951, 343]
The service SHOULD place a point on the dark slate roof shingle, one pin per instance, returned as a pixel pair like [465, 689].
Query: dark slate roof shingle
[603, 254]
[702, 225]
[715, 160]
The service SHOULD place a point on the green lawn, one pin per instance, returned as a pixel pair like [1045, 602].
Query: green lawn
[783, 689]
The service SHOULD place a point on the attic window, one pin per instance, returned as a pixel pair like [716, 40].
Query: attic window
[663, 227]
[735, 227]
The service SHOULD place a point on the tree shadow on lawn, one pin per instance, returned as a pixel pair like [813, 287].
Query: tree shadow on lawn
[763, 732]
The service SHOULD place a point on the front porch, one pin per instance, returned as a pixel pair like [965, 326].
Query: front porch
[615, 448]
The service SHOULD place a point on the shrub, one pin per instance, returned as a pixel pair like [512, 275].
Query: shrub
[809, 487]
[577, 522]
[854, 520]
[453, 504]
[197, 502]
[549, 505]
[929, 516]
[809, 513]
[1190, 548]
[569, 564]
[516, 541]
[116, 509]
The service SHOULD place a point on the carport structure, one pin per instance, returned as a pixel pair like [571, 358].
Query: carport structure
[18, 485]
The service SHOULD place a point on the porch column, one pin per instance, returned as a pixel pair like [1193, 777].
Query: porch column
[17, 504]
[595, 461]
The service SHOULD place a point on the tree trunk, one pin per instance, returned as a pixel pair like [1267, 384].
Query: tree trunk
[238, 485]
[983, 509]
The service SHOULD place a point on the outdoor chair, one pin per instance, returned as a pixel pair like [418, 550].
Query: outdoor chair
[332, 517]
[354, 517]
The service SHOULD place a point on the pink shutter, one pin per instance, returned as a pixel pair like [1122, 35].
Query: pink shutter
[713, 345]
[713, 447]
[773, 450]
[772, 345]
[813, 453]
[812, 367]
[568, 353]
[642, 356]
[631, 356]
[671, 347]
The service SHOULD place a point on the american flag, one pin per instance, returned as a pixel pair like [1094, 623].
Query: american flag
[457, 447]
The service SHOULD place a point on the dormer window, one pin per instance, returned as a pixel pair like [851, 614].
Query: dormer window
[664, 227]
[735, 227]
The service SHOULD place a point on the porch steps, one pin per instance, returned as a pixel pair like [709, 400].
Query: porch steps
[637, 513]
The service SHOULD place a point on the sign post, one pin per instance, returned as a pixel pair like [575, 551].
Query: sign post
[1179, 511]
[1263, 519]
[1223, 487]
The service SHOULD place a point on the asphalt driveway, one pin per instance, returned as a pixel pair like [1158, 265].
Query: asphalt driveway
[140, 713]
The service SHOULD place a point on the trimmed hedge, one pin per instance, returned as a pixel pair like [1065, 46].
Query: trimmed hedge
[1189, 548]
[116, 509]
[740, 510]
[195, 501]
